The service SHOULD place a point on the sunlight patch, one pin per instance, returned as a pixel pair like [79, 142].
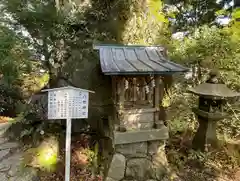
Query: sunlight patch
[45, 156]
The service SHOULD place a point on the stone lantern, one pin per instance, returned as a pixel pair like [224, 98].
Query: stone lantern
[212, 98]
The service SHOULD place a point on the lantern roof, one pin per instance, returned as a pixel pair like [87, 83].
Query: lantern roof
[214, 90]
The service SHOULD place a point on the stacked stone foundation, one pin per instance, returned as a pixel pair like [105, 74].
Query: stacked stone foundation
[139, 156]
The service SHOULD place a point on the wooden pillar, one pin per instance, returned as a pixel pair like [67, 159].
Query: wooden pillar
[162, 111]
[143, 89]
[127, 92]
[134, 89]
[156, 97]
[157, 122]
[149, 94]
[161, 91]
[121, 90]
[121, 94]
[114, 99]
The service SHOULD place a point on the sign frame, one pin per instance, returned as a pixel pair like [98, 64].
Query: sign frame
[67, 103]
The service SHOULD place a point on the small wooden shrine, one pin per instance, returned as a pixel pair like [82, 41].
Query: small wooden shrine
[137, 92]
[212, 98]
[137, 86]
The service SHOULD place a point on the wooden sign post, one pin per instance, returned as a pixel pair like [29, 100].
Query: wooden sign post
[68, 103]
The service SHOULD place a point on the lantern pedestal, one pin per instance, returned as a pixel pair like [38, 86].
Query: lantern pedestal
[206, 134]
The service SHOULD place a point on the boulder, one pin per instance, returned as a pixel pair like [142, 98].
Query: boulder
[117, 167]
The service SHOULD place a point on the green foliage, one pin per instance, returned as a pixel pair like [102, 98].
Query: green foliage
[221, 12]
[56, 33]
[10, 99]
[205, 45]
[46, 28]
[145, 24]
[209, 47]
[14, 56]
[155, 7]
[16, 66]
[193, 13]
[212, 48]
[229, 128]
[236, 14]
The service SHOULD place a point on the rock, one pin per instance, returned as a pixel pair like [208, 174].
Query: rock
[133, 149]
[11, 165]
[3, 140]
[35, 178]
[5, 168]
[28, 174]
[160, 163]
[3, 153]
[14, 159]
[3, 177]
[155, 146]
[15, 168]
[109, 179]
[8, 145]
[3, 128]
[237, 175]
[117, 167]
[159, 159]
[139, 168]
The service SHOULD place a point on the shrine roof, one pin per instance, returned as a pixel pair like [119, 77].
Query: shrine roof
[136, 60]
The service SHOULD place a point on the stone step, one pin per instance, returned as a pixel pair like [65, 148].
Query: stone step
[140, 136]
[3, 128]
[3, 140]
[8, 145]
[11, 168]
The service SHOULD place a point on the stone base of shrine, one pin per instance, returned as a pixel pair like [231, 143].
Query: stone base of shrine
[139, 156]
